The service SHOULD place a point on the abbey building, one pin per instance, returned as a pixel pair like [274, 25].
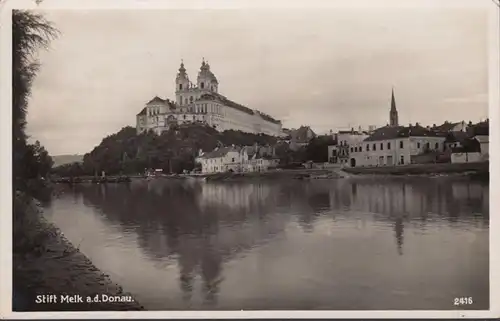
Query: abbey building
[202, 103]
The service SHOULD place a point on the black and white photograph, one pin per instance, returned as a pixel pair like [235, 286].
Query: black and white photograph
[250, 157]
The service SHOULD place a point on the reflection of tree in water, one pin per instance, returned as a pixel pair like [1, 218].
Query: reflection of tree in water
[168, 220]
[307, 200]
[211, 265]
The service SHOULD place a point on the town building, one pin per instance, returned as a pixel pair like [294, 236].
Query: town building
[448, 127]
[346, 140]
[202, 103]
[238, 159]
[301, 137]
[474, 147]
[339, 152]
[396, 145]
[220, 160]
[258, 158]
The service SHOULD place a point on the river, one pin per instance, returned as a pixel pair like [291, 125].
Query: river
[346, 244]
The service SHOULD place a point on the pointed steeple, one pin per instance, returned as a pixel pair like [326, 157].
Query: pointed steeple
[393, 114]
[182, 70]
[393, 101]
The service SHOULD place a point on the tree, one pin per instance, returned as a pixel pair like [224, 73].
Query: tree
[317, 149]
[30, 32]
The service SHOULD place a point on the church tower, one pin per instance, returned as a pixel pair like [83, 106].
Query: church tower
[393, 114]
[181, 84]
[206, 79]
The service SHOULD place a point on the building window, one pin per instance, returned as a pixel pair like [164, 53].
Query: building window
[180, 86]
[374, 147]
[381, 146]
[388, 145]
[436, 146]
[232, 160]
[367, 147]
[202, 85]
[401, 145]
[184, 116]
[402, 160]
[418, 144]
[352, 149]
[428, 146]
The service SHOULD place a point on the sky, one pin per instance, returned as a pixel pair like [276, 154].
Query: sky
[327, 68]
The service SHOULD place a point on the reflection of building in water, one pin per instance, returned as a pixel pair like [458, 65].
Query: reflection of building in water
[467, 191]
[233, 196]
[170, 223]
[398, 231]
[412, 198]
[205, 253]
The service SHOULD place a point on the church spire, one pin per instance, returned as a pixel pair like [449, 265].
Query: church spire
[393, 114]
[393, 101]
[182, 70]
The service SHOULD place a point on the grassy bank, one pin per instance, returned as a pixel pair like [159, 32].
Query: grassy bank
[423, 169]
[45, 262]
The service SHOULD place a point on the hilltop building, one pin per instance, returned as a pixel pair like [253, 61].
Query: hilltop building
[202, 103]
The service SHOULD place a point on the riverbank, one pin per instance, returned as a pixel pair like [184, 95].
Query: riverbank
[275, 175]
[481, 169]
[90, 179]
[45, 263]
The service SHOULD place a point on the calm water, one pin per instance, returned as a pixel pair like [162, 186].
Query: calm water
[338, 244]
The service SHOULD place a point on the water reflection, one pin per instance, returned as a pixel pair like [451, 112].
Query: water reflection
[208, 228]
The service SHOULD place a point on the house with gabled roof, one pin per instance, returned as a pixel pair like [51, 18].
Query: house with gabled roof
[301, 137]
[220, 160]
[237, 159]
[396, 145]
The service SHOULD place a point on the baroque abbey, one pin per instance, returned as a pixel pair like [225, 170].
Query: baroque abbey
[202, 103]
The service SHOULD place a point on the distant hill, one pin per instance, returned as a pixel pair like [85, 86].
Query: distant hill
[66, 159]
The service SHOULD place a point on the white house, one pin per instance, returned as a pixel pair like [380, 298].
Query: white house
[395, 145]
[223, 159]
[346, 140]
[257, 158]
[235, 159]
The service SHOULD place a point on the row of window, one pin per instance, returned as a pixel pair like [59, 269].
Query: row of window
[202, 86]
[374, 147]
[401, 145]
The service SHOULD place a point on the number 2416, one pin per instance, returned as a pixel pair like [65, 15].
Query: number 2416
[462, 301]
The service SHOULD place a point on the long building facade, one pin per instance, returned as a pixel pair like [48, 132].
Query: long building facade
[202, 103]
